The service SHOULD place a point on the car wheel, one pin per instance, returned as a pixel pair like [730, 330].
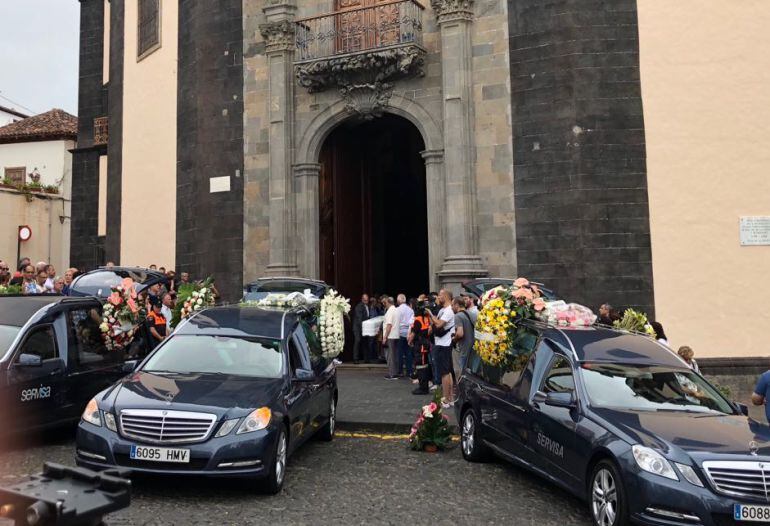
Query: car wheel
[470, 440]
[277, 473]
[608, 504]
[327, 432]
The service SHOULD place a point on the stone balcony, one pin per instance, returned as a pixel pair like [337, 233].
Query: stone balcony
[361, 51]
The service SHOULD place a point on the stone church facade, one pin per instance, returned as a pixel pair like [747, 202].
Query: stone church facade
[384, 145]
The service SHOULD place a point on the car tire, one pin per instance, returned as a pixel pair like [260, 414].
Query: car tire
[474, 450]
[607, 501]
[273, 483]
[326, 433]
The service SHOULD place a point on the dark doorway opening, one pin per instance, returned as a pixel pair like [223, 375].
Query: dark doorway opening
[373, 209]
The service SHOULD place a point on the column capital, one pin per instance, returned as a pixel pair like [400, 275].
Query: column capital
[279, 36]
[452, 10]
[307, 170]
[433, 156]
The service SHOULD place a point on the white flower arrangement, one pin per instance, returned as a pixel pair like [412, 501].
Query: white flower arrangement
[331, 328]
[198, 300]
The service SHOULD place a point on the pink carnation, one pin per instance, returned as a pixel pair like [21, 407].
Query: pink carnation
[127, 283]
[523, 294]
[132, 305]
[115, 298]
[432, 407]
[539, 304]
[521, 282]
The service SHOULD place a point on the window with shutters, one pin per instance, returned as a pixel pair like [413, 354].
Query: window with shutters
[16, 175]
[148, 22]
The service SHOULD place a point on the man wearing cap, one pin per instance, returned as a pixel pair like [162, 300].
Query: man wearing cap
[156, 322]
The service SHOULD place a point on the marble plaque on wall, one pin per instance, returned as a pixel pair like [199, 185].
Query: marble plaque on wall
[755, 230]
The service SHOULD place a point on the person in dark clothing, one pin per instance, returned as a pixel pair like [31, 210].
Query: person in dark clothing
[419, 339]
[156, 322]
[360, 315]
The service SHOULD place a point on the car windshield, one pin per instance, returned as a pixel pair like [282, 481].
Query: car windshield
[650, 388]
[257, 357]
[259, 290]
[7, 335]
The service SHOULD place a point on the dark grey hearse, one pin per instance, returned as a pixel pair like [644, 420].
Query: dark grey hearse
[619, 420]
[52, 360]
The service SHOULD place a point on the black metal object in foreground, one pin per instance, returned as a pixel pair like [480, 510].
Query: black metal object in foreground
[64, 496]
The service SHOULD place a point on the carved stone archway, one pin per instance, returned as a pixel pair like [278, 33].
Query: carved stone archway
[307, 170]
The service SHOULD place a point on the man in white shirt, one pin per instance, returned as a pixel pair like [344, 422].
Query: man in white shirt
[443, 331]
[390, 337]
[167, 310]
[405, 319]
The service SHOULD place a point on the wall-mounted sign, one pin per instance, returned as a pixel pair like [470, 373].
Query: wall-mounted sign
[25, 233]
[219, 184]
[755, 230]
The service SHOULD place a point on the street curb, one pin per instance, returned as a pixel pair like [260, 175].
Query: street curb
[382, 427]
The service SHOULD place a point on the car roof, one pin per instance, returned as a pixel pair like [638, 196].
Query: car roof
[17, 310]
[604, 344]
[239, 320]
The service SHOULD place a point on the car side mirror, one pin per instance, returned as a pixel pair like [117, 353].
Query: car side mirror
[30, 360]
[304, 375]
[129, 366]
[560, 400]
[743, 408]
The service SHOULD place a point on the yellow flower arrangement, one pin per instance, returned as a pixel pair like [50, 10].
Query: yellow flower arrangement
[496, 328]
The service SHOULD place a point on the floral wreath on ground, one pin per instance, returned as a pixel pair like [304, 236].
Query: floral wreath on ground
[497, 329]
[121, 315]
[430, 431]
[192, 298]
[331, 318]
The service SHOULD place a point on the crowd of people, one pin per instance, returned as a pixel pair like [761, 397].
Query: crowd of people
[428, 338]
[40, 278]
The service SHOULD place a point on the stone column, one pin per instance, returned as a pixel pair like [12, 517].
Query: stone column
[436, 209]
[461, 262]
[278, 33]
[306, 177]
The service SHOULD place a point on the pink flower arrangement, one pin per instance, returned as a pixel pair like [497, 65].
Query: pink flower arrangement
[120, 316]
[431, 430]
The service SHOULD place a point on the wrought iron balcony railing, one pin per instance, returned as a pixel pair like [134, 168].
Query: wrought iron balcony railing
[376, 27]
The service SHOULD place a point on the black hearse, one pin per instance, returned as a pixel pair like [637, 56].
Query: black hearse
[99, 282]
[52, 360]
[619, 420]
[232, 393]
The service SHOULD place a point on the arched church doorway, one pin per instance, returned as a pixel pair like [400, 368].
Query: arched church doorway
[373, 234]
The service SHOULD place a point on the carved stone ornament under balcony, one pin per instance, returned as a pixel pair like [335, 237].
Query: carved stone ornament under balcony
[360, 52]
[447, 10]
[279, 36]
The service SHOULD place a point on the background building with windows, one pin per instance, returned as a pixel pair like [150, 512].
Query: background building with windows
[395, 145]
[35, 189]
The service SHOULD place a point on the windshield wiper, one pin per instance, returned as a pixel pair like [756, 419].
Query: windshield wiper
[163, 371]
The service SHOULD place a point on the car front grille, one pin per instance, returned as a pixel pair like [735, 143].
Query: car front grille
[740, 479]
[166, 427]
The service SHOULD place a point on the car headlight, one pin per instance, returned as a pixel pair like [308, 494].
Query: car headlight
[258, 419]
[227, 426]
[109, 421]
[91, 414]
[689, 474]
[653, 462]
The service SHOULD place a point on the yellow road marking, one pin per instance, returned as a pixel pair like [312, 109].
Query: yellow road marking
[379, 436]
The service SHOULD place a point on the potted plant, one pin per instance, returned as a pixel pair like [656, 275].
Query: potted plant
[34, 186]
[51, 189]
[7, 182]
[431, 431]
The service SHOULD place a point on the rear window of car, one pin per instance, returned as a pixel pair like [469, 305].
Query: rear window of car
[99, 283]
[257, 291]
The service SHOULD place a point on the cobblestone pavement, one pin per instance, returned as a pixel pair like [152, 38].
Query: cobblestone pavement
[348, 481]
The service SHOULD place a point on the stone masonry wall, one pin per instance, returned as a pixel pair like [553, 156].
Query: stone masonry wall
[582, 217]
[210, 143]
[494, 174]
[85, 161]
